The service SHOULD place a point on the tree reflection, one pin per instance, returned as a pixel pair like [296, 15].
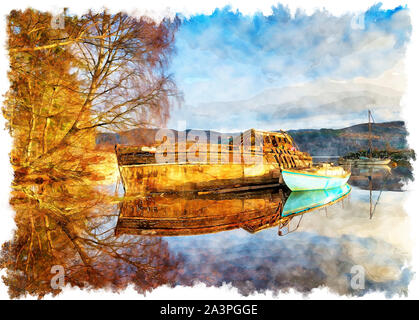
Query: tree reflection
[72, 226]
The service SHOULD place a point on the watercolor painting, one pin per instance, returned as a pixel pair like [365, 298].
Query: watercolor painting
[266, 152]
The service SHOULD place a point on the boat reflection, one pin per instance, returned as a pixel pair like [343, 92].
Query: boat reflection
[170, 215]
[303, 201]
[379, 178]
[300, 202]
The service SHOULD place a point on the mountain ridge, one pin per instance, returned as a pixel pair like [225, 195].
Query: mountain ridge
[317, 142]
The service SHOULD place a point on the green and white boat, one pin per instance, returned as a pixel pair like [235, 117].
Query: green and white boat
[315, 178]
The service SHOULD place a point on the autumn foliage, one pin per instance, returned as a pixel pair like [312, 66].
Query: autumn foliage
[101, 72]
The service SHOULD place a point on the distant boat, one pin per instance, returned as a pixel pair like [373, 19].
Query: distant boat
[366, 160]
[315, 178]
[362, 161]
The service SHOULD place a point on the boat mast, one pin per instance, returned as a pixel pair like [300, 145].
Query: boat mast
[370, 187]
[370, 134]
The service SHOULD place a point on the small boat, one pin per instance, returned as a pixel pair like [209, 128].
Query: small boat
[321, 177]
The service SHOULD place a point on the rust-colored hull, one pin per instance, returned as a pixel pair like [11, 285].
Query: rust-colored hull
[180, 216]
[195, 177]
[224, 166]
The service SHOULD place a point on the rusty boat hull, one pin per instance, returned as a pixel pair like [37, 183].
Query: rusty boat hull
[140, 173]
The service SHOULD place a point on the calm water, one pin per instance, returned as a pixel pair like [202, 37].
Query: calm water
[267, 239]
[367, 228]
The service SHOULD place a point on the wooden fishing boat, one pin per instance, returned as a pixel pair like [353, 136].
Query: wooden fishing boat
[321, 177]
[141, 173]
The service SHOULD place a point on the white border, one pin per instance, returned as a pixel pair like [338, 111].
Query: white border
[158, 9]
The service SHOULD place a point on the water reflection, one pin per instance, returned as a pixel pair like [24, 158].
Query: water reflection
[72, 226]
[380, 177]
[189, 214]
[232, 238]
[374, 177]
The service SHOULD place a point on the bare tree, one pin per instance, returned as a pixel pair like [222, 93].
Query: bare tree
[118, 66]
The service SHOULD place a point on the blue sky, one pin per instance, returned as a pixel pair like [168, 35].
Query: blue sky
[226, 59]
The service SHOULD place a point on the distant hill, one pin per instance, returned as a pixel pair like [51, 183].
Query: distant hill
[318, 142]
[328, 142]
[132, 137]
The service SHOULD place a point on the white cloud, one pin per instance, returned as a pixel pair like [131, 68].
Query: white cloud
[240, 56]
[319, 104]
